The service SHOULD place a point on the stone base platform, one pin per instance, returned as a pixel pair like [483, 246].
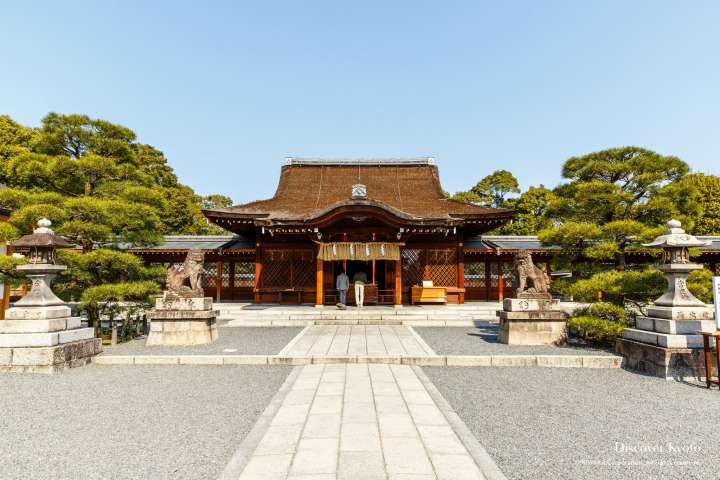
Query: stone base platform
[665, 340]
[49, 359]
[182, 321]
[669, 363]
[532, 322]
[182, 332]
[681, 313]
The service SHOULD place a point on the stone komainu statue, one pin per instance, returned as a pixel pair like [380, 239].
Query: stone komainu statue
[531, 281]
[192, 270]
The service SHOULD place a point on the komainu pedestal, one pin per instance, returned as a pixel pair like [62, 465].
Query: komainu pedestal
[183, 316]
[182, 321]
[666, 342]
[533, 317]
[532, 321]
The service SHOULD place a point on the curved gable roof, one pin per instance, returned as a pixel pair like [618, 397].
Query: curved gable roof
[408, 188]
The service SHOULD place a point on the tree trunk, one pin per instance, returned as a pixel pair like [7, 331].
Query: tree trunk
[620, 261]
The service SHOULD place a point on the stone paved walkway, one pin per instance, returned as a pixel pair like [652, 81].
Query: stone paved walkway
[358, 340]
[359, 422]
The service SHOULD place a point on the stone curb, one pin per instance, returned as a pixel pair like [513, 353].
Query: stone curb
[295, 339]
[543, 361]
[482, 459]
[421, 341]
[242, 455]
[304, 323]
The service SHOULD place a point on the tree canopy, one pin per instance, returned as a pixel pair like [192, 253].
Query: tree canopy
[531, 207]
[707, 222]
[95, 182]
[491, 190]
[616, 199]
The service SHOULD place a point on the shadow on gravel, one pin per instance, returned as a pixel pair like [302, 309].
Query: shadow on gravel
[488, 333]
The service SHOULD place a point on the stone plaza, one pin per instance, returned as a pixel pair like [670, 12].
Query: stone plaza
[352, 393]
[337, 401]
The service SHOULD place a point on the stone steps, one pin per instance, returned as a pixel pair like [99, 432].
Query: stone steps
[551, 361]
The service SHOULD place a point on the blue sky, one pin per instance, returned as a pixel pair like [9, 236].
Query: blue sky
[228, 89]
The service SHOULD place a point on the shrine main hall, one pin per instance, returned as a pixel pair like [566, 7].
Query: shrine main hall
[387, 218]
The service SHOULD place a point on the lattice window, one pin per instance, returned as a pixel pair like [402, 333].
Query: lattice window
[225, 274]
[276, 274]
[208, 275]
[288, 268]
[508, 275]
[494, 274]
[244, 274]
[412, 266]
[441, 267]
[303, 273]
[474, 274]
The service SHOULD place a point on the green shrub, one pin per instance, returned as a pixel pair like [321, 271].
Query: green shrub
[605, 310]
[100, 268]
[638, 287]
[109, 299]
[700, 284]
[595, 329]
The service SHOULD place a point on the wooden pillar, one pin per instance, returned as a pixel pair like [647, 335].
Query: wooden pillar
[5, 300]
[318, 283]
[373, 262]
[218, 280]
[258, 273]
[398, 283]
[501, 282]
[488, 280]
[461, 267]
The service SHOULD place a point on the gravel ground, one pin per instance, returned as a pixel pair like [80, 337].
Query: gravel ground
[244, 340]
[103, 422]
[556, 423]
[483, 340]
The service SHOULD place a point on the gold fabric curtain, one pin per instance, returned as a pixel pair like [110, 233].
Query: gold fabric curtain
[359, 251]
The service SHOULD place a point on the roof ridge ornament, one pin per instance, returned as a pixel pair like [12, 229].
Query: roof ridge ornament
[339, 162]
[359, 192]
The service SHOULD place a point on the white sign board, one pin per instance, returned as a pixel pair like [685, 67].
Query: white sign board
[3, 251]
[716, 300]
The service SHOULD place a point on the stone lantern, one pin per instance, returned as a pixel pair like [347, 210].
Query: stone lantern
[39, 333]
[676, 265]
[41, 268]
[666, 340]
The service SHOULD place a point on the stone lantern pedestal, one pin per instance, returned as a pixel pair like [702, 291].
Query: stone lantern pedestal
[39, 334]
[667, 341]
